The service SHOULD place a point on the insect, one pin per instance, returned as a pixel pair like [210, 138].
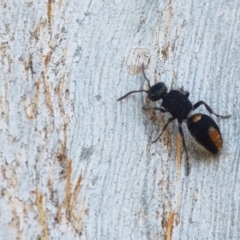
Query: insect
[202, 127]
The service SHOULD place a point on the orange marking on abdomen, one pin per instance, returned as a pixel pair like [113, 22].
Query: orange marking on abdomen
[215, 137]
[197, 118]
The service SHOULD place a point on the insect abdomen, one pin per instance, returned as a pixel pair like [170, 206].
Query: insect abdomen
[206, 132]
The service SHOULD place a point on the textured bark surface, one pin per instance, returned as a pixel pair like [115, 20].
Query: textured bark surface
[77, 164]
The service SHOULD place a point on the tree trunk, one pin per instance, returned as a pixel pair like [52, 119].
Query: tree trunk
[77, 164]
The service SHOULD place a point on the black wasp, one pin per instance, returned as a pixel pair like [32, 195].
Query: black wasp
[202, 127]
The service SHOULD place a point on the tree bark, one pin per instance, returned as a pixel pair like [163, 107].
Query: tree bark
[77, 164]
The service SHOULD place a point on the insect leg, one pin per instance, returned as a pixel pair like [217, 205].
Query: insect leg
[196, 105]
[186, 93]
[164, 128]
[185, 148]
[155, 108]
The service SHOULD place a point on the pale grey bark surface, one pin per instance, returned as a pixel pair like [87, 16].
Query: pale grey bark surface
[77, 164]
